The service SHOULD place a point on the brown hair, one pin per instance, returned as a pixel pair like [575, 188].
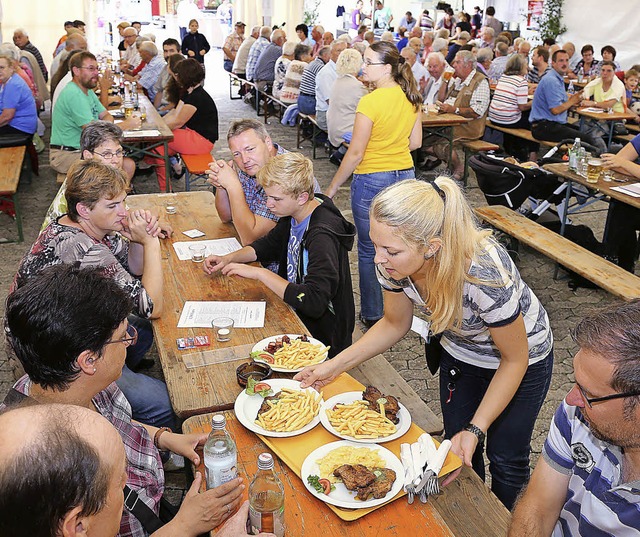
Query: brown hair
[400, 71]
[189, 73]
[78, 59]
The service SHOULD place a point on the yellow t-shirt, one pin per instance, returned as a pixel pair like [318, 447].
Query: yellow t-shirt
[393, 118]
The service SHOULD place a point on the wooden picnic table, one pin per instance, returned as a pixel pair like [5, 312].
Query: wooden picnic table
[442, 125]
[213, 387]
[603, 116]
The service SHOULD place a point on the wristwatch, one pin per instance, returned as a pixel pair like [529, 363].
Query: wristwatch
[480, 435]
[457, 110]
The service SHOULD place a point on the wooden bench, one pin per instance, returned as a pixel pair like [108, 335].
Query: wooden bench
[11, 159]
[594, 268]
[270, 100]
[235, 81]
[316, 130]
[60, 178]
[520, 133]
[474, 146]
[196, 167]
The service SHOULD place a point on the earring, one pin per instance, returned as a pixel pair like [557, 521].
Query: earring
[94, 369]
[430, 254]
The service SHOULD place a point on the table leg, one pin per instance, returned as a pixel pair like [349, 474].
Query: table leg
[611, 129]
[450, 138]
[563, 224]
[167, 166]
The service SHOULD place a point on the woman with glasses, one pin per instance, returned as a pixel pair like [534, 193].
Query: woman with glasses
[496, 353]
[386, 129]
[99, 231]
[72, 347]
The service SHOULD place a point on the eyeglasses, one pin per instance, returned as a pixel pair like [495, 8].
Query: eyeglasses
[368, 62]
[591, 400]
[92, 69]
[130, 339]
[108, 155]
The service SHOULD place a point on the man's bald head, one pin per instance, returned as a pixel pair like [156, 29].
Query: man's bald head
[409, 55]
[68, 457]
[76, 41]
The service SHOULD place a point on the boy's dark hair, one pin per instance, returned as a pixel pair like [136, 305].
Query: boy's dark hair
[171, 41]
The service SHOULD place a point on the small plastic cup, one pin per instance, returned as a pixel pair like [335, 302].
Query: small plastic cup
[223, 328]
[197, 252]
[607, 175]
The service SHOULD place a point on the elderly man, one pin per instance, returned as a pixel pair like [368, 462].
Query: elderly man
[499, 62]
[327, 38]
[76, 106]
[487, 38]
[585, 482]
[574, 58]
[427, 44]
[369, 37]
[524, 48]
[265, 66]
[232, 45]
[484, 59]
[436, 66]
[240, 63]
[75, 41]
[153, 66]
[307, 97]
[255, 51]
[466, 95]
[419, 71]
[325, 79]
[550, 105]
[239, 197]
[21, 40]
[170, 46]
[540, 63]
[317, 33]
[130, 58]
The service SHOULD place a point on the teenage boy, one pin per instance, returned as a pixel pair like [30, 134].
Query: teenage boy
[311, 242]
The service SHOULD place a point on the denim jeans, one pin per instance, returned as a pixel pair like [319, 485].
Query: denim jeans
[135, 353]
[509, 437]
[364, 187]
[307, 104]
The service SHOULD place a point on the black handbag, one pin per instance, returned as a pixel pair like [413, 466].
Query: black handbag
[433, 352]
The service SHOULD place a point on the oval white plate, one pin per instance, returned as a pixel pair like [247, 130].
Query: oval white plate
[246, 408]
[349, 397]
[260, 346]
[341, 497]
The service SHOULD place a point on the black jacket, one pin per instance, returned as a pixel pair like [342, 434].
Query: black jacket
[323, 297]
[195, 42]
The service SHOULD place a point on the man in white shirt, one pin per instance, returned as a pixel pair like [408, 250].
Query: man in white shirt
[419, 71]
[436, 66]
[324, 82]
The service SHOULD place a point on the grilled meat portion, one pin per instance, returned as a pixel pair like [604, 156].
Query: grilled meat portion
[380, 487]
[391, 407]
[354, 476]
[265, 406]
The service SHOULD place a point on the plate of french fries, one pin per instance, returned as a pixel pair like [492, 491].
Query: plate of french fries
[295, 412]
[347, 416]
[292, 357]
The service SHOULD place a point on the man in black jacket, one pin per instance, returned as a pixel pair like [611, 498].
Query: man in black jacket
[311, 242]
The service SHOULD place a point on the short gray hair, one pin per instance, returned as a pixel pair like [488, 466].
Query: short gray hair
[485, 54]
[289, 48]
[10, 51]
[438, 56]
[349, 62]
[148, 46]
[265, 31]
[98, 132]
[515, 65]
[489, 30]
[243, 125]
[467, 57]
[21, 31]
[439, 44]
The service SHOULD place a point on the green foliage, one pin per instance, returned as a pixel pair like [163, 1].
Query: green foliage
[551, 20]
[311, 14]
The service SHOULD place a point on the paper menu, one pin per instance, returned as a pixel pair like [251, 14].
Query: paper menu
[631, 190]
[244, 314]
[214, 247]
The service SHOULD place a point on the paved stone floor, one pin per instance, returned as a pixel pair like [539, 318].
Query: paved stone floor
[565, 307]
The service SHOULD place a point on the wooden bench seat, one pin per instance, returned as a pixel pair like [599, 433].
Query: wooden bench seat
[474, 146]
[594, 268]
[11, 159]
[520, 133]
[196, 167]
[60, 177]
[235, 80]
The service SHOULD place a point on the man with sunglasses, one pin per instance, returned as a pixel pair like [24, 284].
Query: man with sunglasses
[587, 480]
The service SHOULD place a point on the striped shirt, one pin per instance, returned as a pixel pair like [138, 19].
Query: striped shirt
[511, 91]
[308, 81]
[534, 76]
[488, 305]
[598, 502]
[254, 54]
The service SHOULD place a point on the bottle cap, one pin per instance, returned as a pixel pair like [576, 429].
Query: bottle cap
[265, 461]
[218, 421]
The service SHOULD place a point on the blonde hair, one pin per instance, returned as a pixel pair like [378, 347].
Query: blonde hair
[292, 172]
[418, 214]
[349, 62]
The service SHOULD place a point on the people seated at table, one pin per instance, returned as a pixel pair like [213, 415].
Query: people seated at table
[550, 104]
[621, 244]
[291, 86]
[254, 52]
[149, 74]
[240, 63]
[195, 44]
[607, 93]
[420, 73]
[281, 67]
[77, 105]
[585, 480]
[510, 106]
[76, 41]
[317, 36]
[172, 92]
[239, 197]
[232, 45]
[194, 121]
[307, 97]
[21, 40]
[467, 94]
[22, 70]
[98, 231]
[386, 129]
[18, 114]
[540, 63]
[129, 59]
[499, 63]
[487, 38]
[78, 361]
[325, 80]
[265, 66]
[588, 65]
[496, 354]
[311, 244]
[170, 47]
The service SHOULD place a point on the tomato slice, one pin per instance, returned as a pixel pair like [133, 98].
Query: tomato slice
[261, 386]
[326, 484]
[266, 357]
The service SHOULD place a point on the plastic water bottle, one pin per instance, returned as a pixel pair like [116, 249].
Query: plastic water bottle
[266, 499]
[571, 90]
[580, 75]
[220, 454]
[134, 95]
[574, 153]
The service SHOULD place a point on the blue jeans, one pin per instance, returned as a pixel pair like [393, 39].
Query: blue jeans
[509, 437]
[307, 104]
[364, 187]
[135, 353]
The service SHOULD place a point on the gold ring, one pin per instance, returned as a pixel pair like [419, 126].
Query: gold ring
[228, 509]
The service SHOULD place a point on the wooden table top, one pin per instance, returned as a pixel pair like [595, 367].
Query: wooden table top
[603, 116]
[442, 120]
[561, 169]
[213, 387]
[153, 121]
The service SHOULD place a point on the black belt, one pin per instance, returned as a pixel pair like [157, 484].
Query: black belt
[63, 147]
[307, 94]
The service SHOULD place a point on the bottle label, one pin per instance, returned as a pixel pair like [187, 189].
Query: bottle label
[268, 521]
[219, 474]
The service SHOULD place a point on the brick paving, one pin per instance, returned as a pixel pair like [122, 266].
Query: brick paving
[565, 307]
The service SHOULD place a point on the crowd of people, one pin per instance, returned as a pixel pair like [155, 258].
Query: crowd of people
[85, 410]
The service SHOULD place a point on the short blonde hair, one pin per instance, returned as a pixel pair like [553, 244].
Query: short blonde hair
[349, 62]
[292, 172]
[387, 36]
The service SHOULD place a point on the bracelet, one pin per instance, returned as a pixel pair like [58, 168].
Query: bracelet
[156, 437]
[474, 429]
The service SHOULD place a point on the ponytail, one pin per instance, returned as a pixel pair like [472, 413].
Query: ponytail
[405, 79]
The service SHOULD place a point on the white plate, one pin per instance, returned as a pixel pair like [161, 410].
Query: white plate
[260, 346]
[246, 408]
[349, 397]
[341, 497]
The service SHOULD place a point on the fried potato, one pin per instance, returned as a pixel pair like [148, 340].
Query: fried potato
[348, 455]
[299, 354]
[357, 420]
[291, 411]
